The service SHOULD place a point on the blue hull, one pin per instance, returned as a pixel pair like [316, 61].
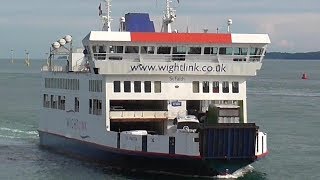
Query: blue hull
[140, 161]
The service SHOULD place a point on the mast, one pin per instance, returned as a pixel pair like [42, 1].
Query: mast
[12, 56]
[168, 18]
[106, 17]
[27, 60]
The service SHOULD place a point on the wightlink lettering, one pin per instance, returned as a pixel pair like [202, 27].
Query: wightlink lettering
[179, 68]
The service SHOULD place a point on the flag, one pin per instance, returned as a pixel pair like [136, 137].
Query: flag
[100, 10]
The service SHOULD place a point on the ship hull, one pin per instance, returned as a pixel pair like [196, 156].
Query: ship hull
[162, 163]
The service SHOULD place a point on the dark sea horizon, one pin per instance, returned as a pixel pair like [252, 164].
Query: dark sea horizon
[279, 101]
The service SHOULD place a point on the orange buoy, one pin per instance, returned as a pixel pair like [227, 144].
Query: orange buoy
[304, 76]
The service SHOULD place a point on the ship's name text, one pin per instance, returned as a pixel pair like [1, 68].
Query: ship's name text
[75, 124]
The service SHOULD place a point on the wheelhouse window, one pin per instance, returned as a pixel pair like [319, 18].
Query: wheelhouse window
[157, 86]
[137, 86]
[116, 49]
[215, 87]
[235, 87]
[147, 86]
[210, 50]
[195, 86]
[256, 51]
[147, 50]
[240, 51]
[132, 49]
[225, 50]
[127, 86]
[194, 50]
[179, 50]
[116, 86]
[205, 86]
[164, 50]
[225, 87]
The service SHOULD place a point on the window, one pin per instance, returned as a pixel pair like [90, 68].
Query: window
[225, 87]
[194, 50]
[240, 51]
[116, 86]
[46, 101]
[205, 86]
[147, 50]
[90, 106]
[179, 50]
[210, 50]
[137, 86]
[157, 86]
[127, 86]
[164, 50]
[256, 51]
[132, 49]
[235, 87]
[53, 102]
[115, 49]
[76, 104]
[225, 50]
[195, 86]
[147, 86]
[95, 106]
[61, 102]
[102, 49]
[215, 87]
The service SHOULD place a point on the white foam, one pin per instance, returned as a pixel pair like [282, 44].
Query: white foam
[19, 131]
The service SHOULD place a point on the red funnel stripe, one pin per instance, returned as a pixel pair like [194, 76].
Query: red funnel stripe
[190, 38]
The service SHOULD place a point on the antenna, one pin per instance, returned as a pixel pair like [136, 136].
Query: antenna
[106, 18]
[229, 25]
[168, 18]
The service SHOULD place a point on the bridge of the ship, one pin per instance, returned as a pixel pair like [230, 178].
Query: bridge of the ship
[108, 49]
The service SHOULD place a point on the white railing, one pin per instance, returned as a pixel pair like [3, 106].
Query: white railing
[54, 68]
[138, 114]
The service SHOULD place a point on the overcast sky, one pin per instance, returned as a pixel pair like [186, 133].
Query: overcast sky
[293, 25]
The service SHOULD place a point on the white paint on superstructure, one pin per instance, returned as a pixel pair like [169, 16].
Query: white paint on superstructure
[250, 38]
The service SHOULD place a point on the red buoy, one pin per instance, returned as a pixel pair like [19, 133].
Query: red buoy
[304, 76]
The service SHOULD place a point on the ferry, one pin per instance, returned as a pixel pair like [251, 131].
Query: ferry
[166, 101]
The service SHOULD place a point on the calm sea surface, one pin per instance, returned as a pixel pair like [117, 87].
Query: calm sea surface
[282, 104]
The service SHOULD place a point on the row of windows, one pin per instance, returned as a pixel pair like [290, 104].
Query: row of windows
[59, 102]
[215, 87]
[177, 50]
[157, 86]
[137, 86]
[95, 106]
[61, 83]
[54, 102]
[95, 85]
